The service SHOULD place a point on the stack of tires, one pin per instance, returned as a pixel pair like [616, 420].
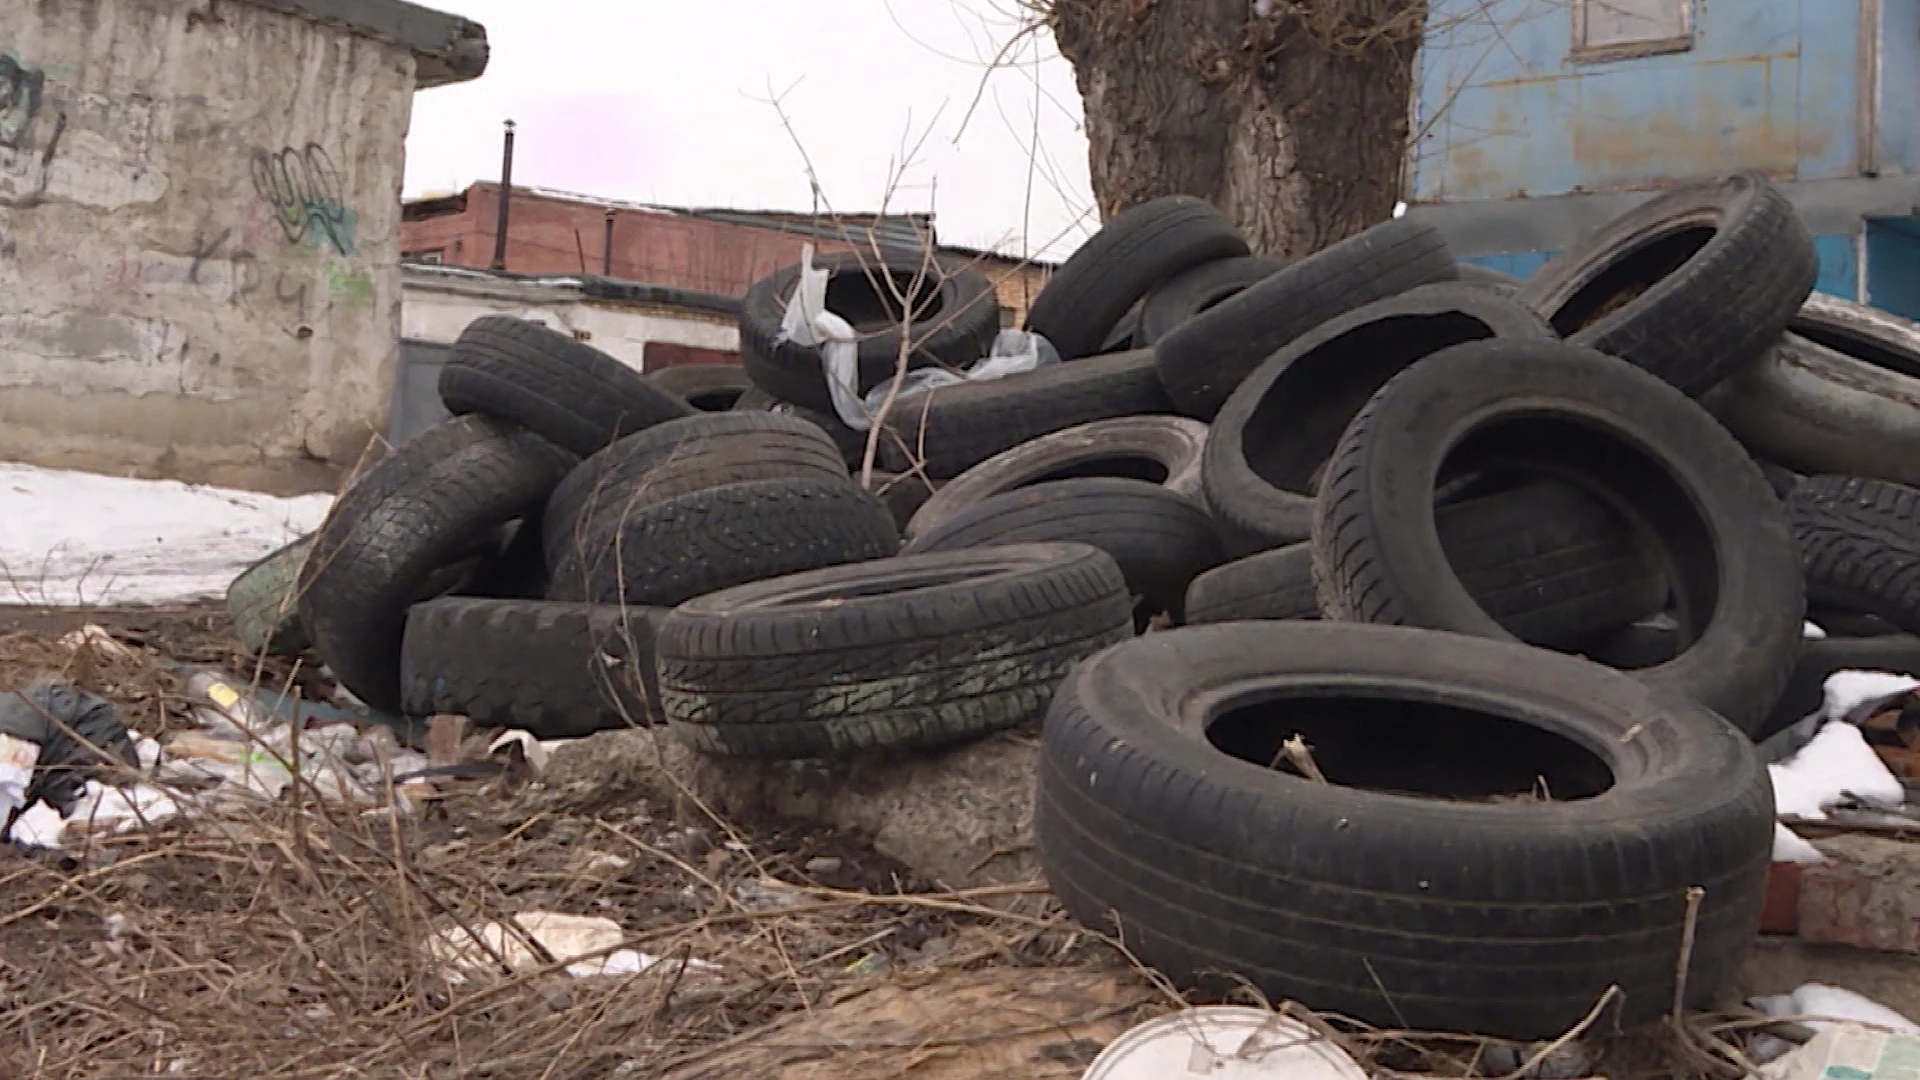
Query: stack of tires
[1502, 596]
[1398, 633]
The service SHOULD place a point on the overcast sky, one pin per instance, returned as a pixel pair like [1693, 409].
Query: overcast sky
[670, 101]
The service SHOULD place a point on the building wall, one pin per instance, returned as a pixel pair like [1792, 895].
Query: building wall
[439, 306]
[1508, 108]
[550, 235]
[557, 236]
[199, 239]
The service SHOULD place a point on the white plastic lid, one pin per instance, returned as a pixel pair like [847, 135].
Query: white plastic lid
[1223, 1042]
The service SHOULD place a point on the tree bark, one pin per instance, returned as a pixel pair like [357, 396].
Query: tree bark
[1293, 122]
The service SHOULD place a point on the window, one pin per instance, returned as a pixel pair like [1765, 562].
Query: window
[1615, 29]
[437, 255]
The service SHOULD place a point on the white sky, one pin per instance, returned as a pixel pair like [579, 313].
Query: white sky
[668, 101]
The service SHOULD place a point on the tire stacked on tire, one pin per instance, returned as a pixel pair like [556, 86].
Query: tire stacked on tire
[1452, 819]
[1494, 605]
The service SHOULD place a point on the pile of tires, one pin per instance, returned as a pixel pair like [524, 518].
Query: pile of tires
[1397, 635]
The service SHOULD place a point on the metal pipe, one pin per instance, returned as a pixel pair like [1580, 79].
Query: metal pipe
[506, 201]
[606, 260]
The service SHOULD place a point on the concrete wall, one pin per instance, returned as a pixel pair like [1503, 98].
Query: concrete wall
[199, 239]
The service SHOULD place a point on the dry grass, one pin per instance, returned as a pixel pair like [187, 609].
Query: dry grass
[291, 940]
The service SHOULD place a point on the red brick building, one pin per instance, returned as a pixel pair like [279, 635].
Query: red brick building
[711, 251]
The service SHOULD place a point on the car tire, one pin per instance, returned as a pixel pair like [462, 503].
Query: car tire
[707, 387]
[1160, 540]
[1158, 449]
[1859, 543]
[918, 651]
[1187, 294]
[1406, 892]
[957, 427]
[572, 394]
[1084, 300]
[433, 501]
[1616, 431]
[1549, 563]
[1202, 360]
[1273, 436]
[262, 602]
[1817, 409]
[671, 551]
[1693, 285]
[555, 670]
[683, 456]
[954, 320]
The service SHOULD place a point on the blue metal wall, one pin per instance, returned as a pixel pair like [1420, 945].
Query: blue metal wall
[1893, 254]
[1506, 110]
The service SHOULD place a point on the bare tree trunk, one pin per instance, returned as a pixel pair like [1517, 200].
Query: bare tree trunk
[1293, 122]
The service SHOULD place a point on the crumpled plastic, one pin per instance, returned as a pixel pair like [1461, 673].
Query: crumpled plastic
[807, 322]
[78, 733]
[589, 941]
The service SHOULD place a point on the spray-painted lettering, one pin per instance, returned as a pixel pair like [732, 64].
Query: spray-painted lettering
[20, 91]
[28, 139]
[303, 189]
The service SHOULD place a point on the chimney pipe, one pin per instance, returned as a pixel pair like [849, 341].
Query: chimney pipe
[506, 200]
[606, 259]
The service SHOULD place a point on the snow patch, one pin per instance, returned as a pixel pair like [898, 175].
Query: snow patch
[1789, 847]
[1812, 631]
[1838, 763]
[75, 538]
[1833, 1004]
[1846, 691]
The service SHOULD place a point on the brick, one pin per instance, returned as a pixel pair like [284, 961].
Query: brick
[1867, 896]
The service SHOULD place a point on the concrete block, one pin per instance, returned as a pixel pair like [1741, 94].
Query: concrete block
[1867, 896]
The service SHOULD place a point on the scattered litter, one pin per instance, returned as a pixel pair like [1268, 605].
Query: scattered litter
[1790, 847]
[1223, 1042]
[825, 864]
[1849, 1052]
[17, 758]
[591, 941]
[1854, 695]
[106, 809]
[529, 749]
[1832, 1006]
[73, 538]
[79, 735]
[767, 894]
[1837, 765]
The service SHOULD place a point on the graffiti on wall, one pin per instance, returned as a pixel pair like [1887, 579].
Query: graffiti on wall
[29, 137]
[304, 191]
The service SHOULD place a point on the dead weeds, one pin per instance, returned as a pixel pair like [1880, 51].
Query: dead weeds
[292, 940]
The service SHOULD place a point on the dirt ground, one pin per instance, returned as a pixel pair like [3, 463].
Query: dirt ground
[292, 940]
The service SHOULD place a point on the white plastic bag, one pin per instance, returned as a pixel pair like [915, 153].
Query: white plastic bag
[1013, 352]
[807, 322]
[809, 299]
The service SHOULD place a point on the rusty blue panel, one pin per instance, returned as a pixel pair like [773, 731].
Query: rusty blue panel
[1521, 266]
[1839, 266]
[1893, 265]
[1830, 88]
[1899, 145]
[1643, 127]
[1507, 110]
